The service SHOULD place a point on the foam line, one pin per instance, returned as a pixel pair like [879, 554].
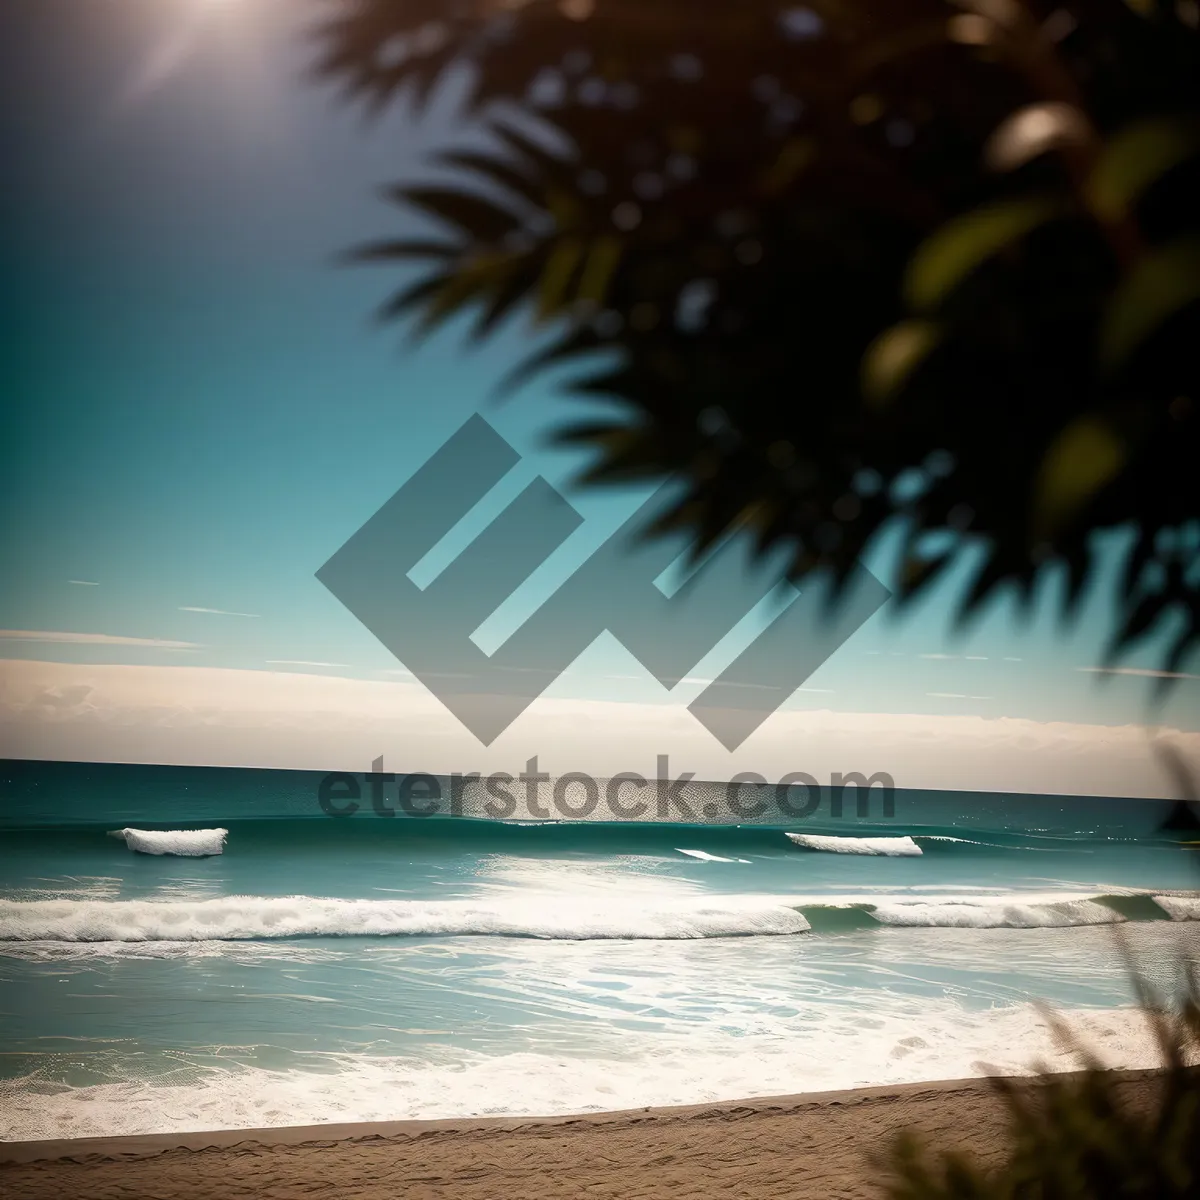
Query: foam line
[899, 1046]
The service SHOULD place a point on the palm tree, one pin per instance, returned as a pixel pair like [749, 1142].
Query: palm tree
[859, 260]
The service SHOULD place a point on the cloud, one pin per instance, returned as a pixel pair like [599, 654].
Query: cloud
[193, 715]
[1143, 671]
[937, 655]
[85, 582]
[217, 612]
[92, 639]
[302, 662]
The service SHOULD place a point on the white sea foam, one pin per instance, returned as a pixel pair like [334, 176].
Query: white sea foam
[240, 951]
[191, 843]
[550, 915]
[892, 847]
[243, 917]
[940, 1041]
[1180, 908]
[1010, 912]
[704, 856]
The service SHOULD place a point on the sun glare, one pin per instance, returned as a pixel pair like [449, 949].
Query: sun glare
[175, 48]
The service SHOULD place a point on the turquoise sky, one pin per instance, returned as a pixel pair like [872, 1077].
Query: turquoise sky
[201, 411]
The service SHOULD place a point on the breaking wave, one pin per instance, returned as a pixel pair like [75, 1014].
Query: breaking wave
[236, 918]
[558, 916]
[1006, 913]
[1180, 908]
[189, 843]
[892, 847]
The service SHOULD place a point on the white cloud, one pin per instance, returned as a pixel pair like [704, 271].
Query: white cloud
[92, 639]
[302, 662]
[85, 582]
[728, 683]
[206, 716]
[937, 656]
[217, 612]
[1143, 671]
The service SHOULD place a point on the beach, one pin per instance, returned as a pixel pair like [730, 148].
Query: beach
[322, 972]
[797, 1147]
[795, 750]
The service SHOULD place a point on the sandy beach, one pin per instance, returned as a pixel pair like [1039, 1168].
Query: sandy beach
[810, 1146]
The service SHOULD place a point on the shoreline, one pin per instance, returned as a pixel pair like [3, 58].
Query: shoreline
[804, 1145]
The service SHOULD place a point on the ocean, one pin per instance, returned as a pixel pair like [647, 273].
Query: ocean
[381, 967]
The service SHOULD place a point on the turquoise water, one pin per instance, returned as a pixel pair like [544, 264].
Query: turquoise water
[373, 968]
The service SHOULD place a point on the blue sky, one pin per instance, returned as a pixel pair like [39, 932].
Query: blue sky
[203, 411]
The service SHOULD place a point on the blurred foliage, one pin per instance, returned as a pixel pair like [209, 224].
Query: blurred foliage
[1074, 1137]
[859, 259]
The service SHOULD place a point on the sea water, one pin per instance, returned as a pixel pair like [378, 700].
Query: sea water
[368, 968]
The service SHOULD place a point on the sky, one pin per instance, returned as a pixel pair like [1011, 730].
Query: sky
[202, 411]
